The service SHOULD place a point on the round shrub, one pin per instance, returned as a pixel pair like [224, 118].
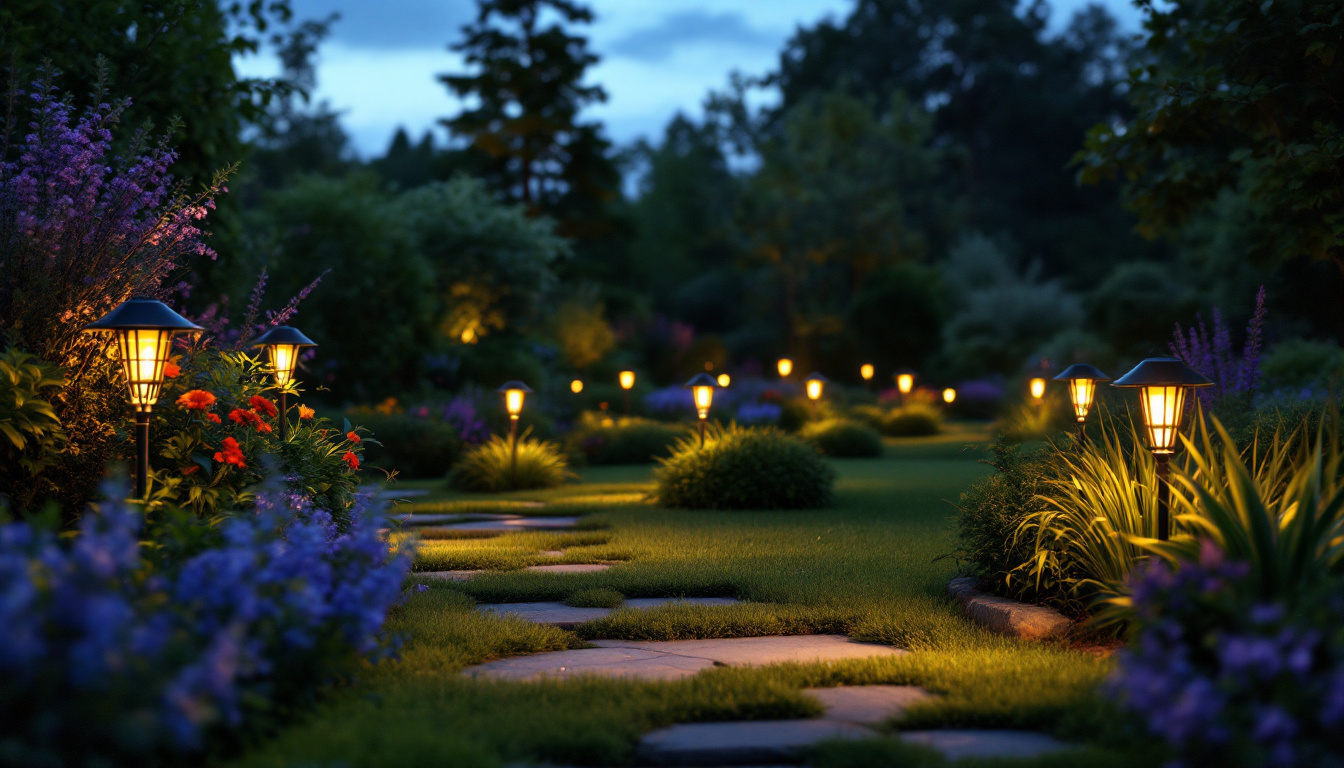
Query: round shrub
[414, 446]
[843, 438]
[745, 468]
[626, 441]
[914, 420]
[488, 467]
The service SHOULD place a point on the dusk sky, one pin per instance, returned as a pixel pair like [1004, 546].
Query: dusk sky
[379, 67]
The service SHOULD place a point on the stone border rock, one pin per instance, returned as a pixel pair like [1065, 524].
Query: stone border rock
[1005, 616]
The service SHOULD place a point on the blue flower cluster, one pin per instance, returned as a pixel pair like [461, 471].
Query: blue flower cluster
[112, 654]
[1228, 678]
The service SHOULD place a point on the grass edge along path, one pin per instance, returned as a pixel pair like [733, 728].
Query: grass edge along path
[863, 567]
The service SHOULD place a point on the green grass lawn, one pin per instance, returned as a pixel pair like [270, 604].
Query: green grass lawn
[865, 567]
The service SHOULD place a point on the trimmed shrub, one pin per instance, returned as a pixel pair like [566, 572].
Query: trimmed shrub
[31, 437]
[872, 415]
[601, 597]
[489, 467]
[630, 440]
[415, 447]
[745, 468]
[913, 420]
[843, 438]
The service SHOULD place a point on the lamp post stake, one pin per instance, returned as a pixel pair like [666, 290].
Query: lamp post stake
[141, 453]
[284, 416]
[1163, 496]
[513, 443]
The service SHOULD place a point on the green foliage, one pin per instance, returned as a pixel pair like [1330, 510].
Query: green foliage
[745, 468]
[1303, 363]
[489, 466]
[598, 597]
[412, 446]
[1032, 421]
[31, 436]
[843, 438]
[582, 331]
[794, 412]
[912, 420]
[626, 440]
[898, 315]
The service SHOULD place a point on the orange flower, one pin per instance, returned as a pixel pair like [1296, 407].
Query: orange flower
[191, 469]
[232, 454]
[351, 460]
[196, 400]
[170, 370]
[305, 412]
[214, 417]
[263, 428]
[352, 437]
[262, 406]
[240, 416]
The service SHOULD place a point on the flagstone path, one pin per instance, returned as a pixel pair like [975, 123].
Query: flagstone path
[566, 616]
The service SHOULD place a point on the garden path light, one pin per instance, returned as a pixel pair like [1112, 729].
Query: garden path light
[702, 387]
[785, 367]
[949, 395]
[816, 384]
[283, 344]
[514, 392]
[1082, 379]
[627, 379]
[905, 382]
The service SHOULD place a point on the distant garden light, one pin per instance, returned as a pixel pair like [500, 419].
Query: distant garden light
[1037, 388]
[949, 395]
[283, 345]
[816, 383]
[785, 366]
[866, 371]
[1162, 382]
[627, 379]
[576, 386]
[1082, 379]
[702, 388]
[514, 392]
[724, 380]
[144, 331]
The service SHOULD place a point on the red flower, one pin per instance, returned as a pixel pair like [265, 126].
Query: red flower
[240, 416]
[351, 460]
[232, 454]
[262, 405]
[352, 437]
[214, 417]
[170, 370]
[263, 428]
[196, 400]
[191, 469]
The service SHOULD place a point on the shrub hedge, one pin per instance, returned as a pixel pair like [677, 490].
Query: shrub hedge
[842, 438]
[745, 468]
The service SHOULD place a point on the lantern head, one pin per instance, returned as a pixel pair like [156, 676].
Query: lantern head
[785, 366]
[815, 383]
[949, 395]
[1162, 382]
[1082, 380]
[702, 388]
[905, 381]
[144, 330]
[1037, 388]
[576, 386]
[866, 371]
[513, 397]
[724, 379]
[282, 345]
[627, 379]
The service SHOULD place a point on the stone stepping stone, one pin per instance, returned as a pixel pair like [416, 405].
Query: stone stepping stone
[569, 568]
[515, 523]
[752, 742]
[553, 552]
[674, 659]
[448, 575]
[568, 617]
[958, 744]
[452, 517]
[867, 704]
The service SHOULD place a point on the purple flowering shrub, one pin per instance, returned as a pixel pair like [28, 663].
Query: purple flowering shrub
[1229, 678]
[114, 652]
[1236, 378]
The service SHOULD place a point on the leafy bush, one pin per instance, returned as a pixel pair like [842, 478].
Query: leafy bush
[115, 653]
[628, 440]
[745, 468]
[1029, 421]
[843, 438]
[489, 466]
[601, 597]
[794, 412]
[913, 420]
[31, 437]
[1299, 363]
[414, 446]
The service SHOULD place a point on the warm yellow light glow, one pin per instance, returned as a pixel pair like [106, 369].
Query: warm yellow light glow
[949, 395]
[143, 354]
[704, 395]
[866, 371]
[1162, 407]
[905, 382]
[627, 379]
[283, 358]
[724, 380]
[814, 389]
[513, 402]
[576, 386]
[785, 366]
[469, 336]
[1081, 392]
[1037, 388]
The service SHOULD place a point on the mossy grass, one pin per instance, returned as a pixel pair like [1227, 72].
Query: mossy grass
[601, 597]
[865, 566]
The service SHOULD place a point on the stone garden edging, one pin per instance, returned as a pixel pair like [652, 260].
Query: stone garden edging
[1004, 615]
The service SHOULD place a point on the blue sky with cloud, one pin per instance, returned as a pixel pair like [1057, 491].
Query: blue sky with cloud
[379, 68]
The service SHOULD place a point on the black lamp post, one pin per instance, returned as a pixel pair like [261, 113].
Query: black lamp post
[514, 392]
[1082, 381]
[702, 387]
[627, 379]
[282, 345]
[1162, 382]
[144, 330]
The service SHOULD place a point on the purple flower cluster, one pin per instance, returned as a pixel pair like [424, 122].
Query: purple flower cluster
[112, 656]
[1228, 678]
[1233, 376]
[461, 413]
[672, 401]
[759, 413]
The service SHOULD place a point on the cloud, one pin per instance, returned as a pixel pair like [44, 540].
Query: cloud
[658, 42]
[391, 24]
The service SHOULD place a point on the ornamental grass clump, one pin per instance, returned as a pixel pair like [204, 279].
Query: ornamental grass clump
[913, 420]
[842, 438]
[490, 466]
[745, 468]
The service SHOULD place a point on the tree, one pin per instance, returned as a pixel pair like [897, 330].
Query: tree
[1236, 95]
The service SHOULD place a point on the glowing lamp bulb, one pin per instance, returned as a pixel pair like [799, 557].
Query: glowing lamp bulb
[703, 397]
[905, 382]
[724, 379]
[814, 390]
[576, 386]
[1081, 392]
[627, 379]
[866, 371]
[513, 402]
[949, 395]
[1037, 387]
[785, 367]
